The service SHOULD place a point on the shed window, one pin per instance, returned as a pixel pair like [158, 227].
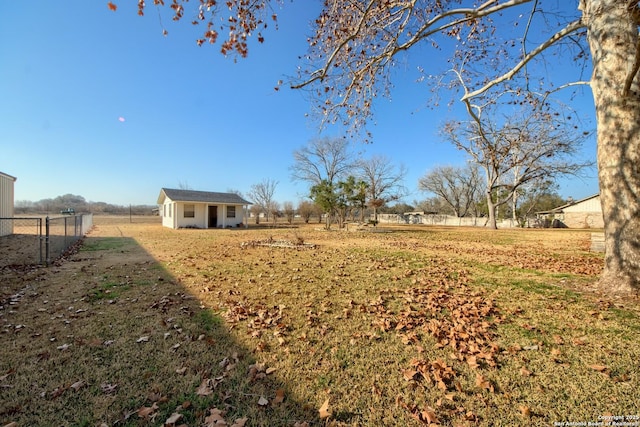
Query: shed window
[189, 211]
[231, 211]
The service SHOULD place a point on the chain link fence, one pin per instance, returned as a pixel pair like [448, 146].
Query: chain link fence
[28, 241]
[62, 232]
[21, 242]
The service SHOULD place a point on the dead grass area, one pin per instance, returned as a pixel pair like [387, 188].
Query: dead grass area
[415, 326]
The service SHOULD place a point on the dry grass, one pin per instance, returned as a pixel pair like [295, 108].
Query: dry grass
[418, 325]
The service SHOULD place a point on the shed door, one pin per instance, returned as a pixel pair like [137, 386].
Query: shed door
[213, 216]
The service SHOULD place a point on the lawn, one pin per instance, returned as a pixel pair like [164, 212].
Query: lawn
[249, 327]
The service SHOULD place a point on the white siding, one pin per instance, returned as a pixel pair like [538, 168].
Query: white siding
[234, 220]
[199, 219]
[584, 214]
[168, 214]
[6, 203]
[589, 205]
[172, 214]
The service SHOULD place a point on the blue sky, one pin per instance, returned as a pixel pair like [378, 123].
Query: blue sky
[102, 105]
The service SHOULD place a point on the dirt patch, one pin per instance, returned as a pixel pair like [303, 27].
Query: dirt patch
[20, 249]
[271, 243]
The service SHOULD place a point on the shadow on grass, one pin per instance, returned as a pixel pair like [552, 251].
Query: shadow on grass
[111, 337]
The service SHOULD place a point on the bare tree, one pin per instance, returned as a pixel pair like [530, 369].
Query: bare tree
[273, 210]
[235, 191]
[357, 44]
[256, 211]
[262, 195]
[535, 197]
[184, 185]
[289, 211]
[458, 187]
[307, 209]
[384, 181]
[527, 147]
[398, 208]
[325, 159]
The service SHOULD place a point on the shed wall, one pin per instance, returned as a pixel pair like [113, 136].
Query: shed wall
[167, 212]
[586, 214]
[590, 205]
[234, 220]
[199, 219]
[6, 204]
[583, 219]
[172, 214]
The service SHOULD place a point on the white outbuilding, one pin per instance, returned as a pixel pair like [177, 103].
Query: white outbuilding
[584, 213]
[202, 209]
[6, 203]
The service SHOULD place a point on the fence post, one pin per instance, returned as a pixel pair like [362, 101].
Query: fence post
[46, 242]
[66, 240]
[40, 239]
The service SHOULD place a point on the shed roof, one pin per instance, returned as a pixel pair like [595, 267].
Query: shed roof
[6, 175]
[201, 197]
[560, 209]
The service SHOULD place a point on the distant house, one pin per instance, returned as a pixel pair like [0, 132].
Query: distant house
[6, 203]
[585, 213]
[201, 209]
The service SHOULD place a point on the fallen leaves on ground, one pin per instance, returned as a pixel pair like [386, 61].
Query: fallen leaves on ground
[455, 318]
[526, 258]
[324, 411]
[525, 372]
[525, 411]
[483, 383]
[446, 327]
[147, 411]
[279, 397]
[108, 388]
[173, 419]
[216, 418]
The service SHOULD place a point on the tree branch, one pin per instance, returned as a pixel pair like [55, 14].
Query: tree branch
[570, 28]
[526, 34]
[320, 74]
[633, 73]
[429, 28]
[468, 13]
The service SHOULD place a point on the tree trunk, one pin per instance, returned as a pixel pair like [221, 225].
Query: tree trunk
[491, 207]
[612, 34]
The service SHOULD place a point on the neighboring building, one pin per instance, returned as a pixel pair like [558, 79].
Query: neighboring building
[585, 213]
[201, 209]
[6, 203]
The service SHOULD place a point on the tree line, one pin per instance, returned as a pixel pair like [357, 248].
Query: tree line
[55, 206]
[343, 186]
